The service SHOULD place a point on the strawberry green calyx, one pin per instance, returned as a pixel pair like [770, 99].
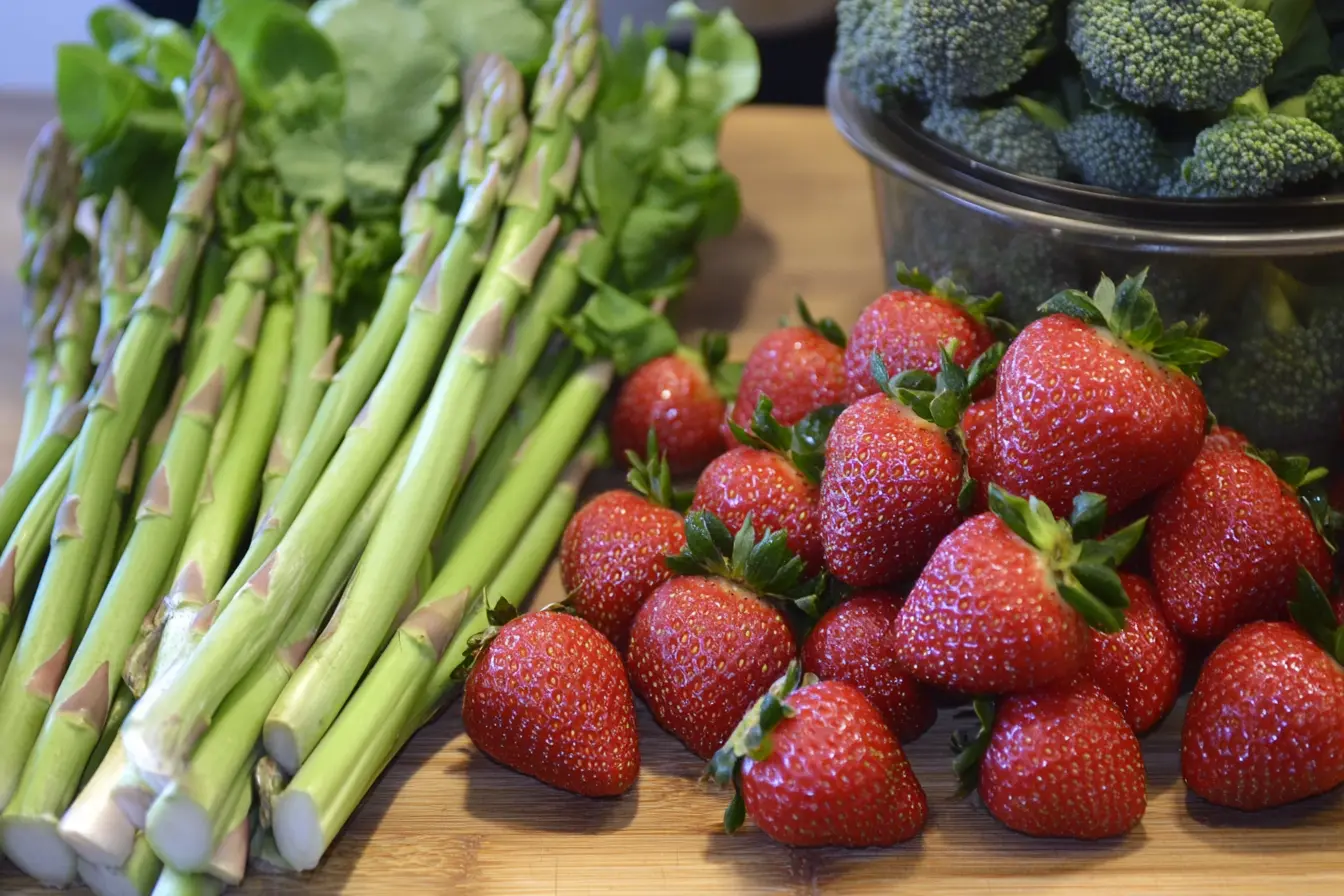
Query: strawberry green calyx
[765, 566]
[827, 328]
[1308, 483]
[1313, 612]
[943, 399]
[969, 748]
[981, 308]
[497, 615]
[651, 476]
[751, 739]
[1084, 569]
[1129, 311]
[803, 444]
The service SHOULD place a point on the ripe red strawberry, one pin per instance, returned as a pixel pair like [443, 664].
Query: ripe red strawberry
[855, 642]
[908, 326]
[894, 478]
[1265, 724]
[1225, 437]
[1099, 399]
[1227, 537]
[675, 396]
[831, 773]
[707, 643]
[1139, 667]
[772, 476]
[549, 698]
[980, 441]
[1058, 761]
[1005, 602]
[613, 553]
[800, 369]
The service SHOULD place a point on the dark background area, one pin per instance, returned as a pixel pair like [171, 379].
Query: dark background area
[793, 64]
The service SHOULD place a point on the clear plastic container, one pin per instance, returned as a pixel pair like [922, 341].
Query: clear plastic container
[1267, 276]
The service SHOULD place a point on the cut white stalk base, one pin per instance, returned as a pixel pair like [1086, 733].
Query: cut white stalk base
[94, 826]
[134, 878]
[39, 852]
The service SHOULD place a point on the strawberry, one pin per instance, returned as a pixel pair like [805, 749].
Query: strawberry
[980, 440]
[908, 326]
[1265, 724]
[547, 696]
[1005, 602]
[1227, 537]
[1099, 398]
[800, 369]
[855, 643]
[816, 766]
[773, 476]
[1225, 437]
[895, 482]
[612, 555]
[708, 642]
[1057, 761]
[1139, 667]
[676, 396]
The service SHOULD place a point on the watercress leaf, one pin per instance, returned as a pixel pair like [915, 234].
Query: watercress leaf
[723, 70]
[507, 27]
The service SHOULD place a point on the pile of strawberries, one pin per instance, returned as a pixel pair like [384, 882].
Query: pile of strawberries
[1046, 526]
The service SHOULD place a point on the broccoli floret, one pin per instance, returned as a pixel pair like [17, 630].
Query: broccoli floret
[1248, 157]
[1325, 104]
[937, 49]
[1116, 149]
[1282, 382]
[1007, 137]
[1185, 54]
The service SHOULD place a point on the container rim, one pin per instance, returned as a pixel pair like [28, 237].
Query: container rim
[973, 187]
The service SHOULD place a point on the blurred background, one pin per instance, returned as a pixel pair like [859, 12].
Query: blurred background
[795, 36]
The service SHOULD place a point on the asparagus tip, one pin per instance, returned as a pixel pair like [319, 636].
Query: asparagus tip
[36, 848]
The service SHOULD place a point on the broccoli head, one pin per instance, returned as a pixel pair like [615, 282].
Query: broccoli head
[1282, 382]
[1009, 137]
[1325, 104]
[1182, 54]
[1249, 157]
[1116, 149]
[940, 50]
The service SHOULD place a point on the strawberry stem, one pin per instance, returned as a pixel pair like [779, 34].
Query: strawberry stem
[803, 445]
[651, 477]
[826, 327]
[1083, 567]
[969, 748]
[1130, 312]
[1312, 611]
[766, 566]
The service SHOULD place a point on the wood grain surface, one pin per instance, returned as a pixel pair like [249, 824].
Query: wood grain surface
[446, 820]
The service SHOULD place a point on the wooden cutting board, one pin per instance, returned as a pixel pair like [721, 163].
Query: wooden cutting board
[446, 820]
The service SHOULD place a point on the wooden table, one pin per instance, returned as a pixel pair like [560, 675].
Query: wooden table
[446, 820]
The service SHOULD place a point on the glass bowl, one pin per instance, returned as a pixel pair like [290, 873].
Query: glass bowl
[1266, 276]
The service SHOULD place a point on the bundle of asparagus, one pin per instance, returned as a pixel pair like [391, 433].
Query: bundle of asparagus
[280, 447]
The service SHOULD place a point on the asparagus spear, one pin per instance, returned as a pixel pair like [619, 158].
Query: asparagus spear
[61, 747]
[181, 820]
[136, 876]
[493, 150]
[220, 521]
[37, 375]
[72, 361]
[176, 883]
[49, 203]
[313, 361]
[125, 242]
[158, 737]
[213, 108]
[333, 669]
[28, 545]
[27, 477]
[384, 712]
[427, 222]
